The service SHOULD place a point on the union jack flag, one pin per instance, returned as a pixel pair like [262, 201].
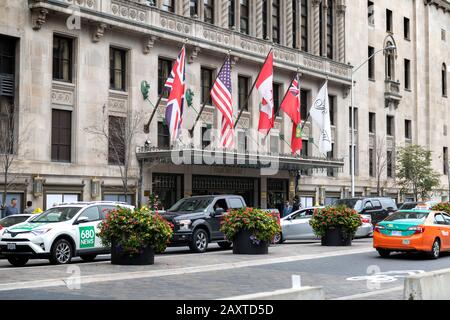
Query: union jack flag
[176, 83]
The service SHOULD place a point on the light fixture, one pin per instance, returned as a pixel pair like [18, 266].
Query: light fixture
[38, 186]
[95, 188]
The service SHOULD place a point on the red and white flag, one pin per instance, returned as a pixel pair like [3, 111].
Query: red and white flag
[264, 85]
[222, 98]
[177, 84]
[291, 106]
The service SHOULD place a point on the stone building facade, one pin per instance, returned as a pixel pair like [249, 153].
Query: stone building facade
[79, 66]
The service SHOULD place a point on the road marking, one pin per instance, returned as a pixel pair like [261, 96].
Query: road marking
[369, 294]
[175, 271]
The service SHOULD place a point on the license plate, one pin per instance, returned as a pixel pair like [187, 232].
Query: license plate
[406, 242]
[11, 246]
[396, 233]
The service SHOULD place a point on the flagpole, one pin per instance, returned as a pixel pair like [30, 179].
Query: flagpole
[279, 107]
[251, 91]
[191, 131]
[147, 125]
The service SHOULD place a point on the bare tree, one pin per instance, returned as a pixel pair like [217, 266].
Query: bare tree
[381, 162]
[119, 133]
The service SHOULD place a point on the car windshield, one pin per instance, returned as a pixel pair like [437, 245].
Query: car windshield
[10, 221]
[191, 205]
[57, 215]
[350, 203]
[408, 206]
[407, 215]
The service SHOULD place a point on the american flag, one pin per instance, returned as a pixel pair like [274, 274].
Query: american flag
[222, 98]
[176, 83]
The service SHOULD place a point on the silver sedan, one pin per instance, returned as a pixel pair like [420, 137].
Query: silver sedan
[295, 226]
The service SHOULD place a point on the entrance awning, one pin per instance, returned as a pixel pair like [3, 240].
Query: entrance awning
[235, 159]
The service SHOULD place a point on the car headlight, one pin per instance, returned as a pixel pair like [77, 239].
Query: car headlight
[40, 232]
[184, 224]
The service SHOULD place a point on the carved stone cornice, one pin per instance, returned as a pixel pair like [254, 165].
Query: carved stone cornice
[442, 4]
[38, 17]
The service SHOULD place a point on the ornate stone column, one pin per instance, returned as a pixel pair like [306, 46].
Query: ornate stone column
[324, 28]
[223, 9]
[315, 27]
[185, 8]
[259, 19]
[289, 23]
[340, 13]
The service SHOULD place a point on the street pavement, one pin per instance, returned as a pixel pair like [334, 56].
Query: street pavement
[355, 272]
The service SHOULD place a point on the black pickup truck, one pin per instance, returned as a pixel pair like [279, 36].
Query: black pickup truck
[197, 219]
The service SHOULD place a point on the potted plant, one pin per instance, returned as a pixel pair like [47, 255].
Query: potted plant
[336, 226]
[251, 230]
[443, 207]
[134, 235]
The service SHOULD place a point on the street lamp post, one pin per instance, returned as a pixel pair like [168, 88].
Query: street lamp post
[352, 151]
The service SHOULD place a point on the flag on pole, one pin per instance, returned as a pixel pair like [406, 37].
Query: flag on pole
[320, 113]
[264, 85]
[296, 140]
[222, 98]
[176, 84]
[291, 102]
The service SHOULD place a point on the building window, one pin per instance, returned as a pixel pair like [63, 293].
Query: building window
[330, 23]
[330, 156]
[206, 85]
[303, 104]
[61, 135]
[243, 83]
[390, 64]
[274, 144]
[304, 25]
[116, 140]
[206, 137]
[370, 13]
[208, 15]
[305, 148]
[117, 65]
[407, 74]
[372, 122]
[62, 59]
[408, 130]
[168, 5]
[193, 8]
[321, 48]
[164, 70]
[265, 18]
[231, 13]
[7, 55]
[406, 28]
[390, 125]
[294, 23]
[276, 95]
[350, 159]
[443, 35]
[276, 15]
[389, 20]
[7, 126]
[332, 111]
[445, 159]
[244, 19]
[389, 164]
[242, 142]
[444, 80]
[371, 52]
[163, 136]
[371, 163]
[355, 112]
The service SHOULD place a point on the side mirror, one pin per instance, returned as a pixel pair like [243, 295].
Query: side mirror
[218, 212]
[82, 220]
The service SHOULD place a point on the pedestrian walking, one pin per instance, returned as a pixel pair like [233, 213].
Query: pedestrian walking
[12, 208]
[29, 209]
[287, 209]
[297, 204]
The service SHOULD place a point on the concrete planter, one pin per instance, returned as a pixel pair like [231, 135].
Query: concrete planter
[118, 257]
[243, 244]
[336, 237]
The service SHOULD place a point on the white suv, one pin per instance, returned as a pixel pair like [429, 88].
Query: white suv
[58, 234]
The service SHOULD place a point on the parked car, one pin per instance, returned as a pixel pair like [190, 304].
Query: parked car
[296, 226]
[14, 219]
[413, 230]
[377, 208]
[58, 234]
[427, 205]
[197, 219]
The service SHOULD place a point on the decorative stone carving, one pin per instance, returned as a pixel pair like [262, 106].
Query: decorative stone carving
[149, 42]
[38, 17]
[194, 55]
[99, 32]
[62, 97]
[128, 11]
[234, 60]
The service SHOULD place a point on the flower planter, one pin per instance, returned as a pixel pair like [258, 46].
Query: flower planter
[243, 244]
[335, 237]
[118, 257]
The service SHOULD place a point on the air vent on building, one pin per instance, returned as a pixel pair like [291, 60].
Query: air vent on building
[6, 85]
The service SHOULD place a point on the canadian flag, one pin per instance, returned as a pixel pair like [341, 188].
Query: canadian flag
[264, 85]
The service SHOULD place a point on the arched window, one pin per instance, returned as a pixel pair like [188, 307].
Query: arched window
[444, 79]
[390, 63]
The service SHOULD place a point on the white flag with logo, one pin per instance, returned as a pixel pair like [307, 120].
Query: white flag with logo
[320, 113]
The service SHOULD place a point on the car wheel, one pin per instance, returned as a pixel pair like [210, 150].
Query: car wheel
[384, 253]
[199, 242]
[61, 252]
[88, 257]
[435, 249]
[278, 239]
[18, 261]
[225, 244]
